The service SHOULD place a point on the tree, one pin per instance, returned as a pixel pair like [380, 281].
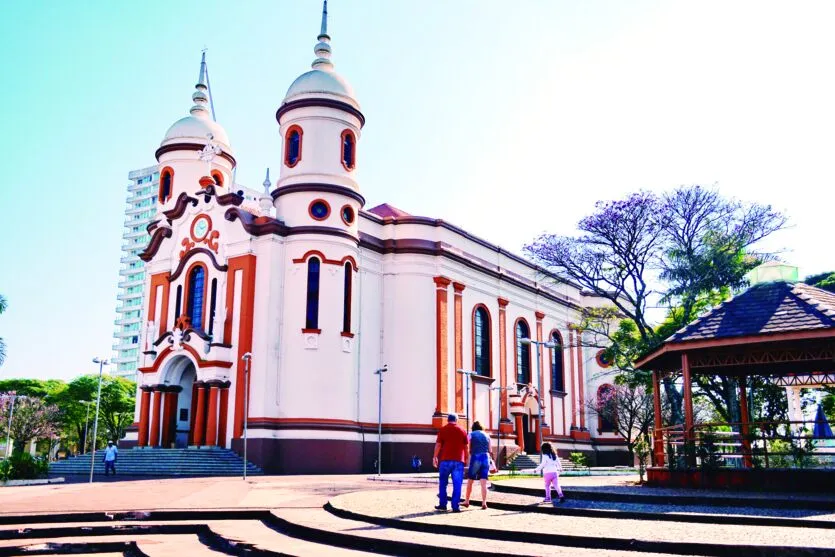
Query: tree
[628, 409]
[32, 419]
[3, 305]
[825, 281]
[685, 248]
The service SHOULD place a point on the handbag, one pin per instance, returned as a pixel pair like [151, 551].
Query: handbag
[492, 469]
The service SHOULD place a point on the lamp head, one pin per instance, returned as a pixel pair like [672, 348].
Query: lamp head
[247, 356]
[526, 341]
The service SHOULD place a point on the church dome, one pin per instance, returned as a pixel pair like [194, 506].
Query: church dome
[195, 129]
[321, 82]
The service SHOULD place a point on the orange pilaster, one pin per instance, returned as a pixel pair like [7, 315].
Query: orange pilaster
[573, 378]
[153, 441]
[200, 415]
[246, 264]
[166, 418]
[173, 400]
[688, 405]
[459, 349]
[581, 381]
[192, 410]
[503, 363]
[222, 415]
[520, 437]
[536, 437]
[441, 351]
[144, 412]
[211, 416]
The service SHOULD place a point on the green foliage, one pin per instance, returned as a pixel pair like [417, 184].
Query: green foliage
[709, 455]
[22, 466]
[579, 459]
[826, 281]
[642, 450]
[828, 403]
[118, 397]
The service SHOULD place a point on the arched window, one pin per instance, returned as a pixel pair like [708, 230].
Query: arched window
[346, 300]
[606, 408]
[557, 369]
[349, 147]
[293, 146]
[166, 183]
[196, 290]
[218, 177]
[481, 341]
[523, 353]
[312, 313]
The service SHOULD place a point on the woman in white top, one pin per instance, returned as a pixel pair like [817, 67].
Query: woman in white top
[551, 467]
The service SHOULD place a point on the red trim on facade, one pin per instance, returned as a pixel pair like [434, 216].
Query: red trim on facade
[458, 317]
[218, 176]
[144, 412]
[291, 129]
[153, 440]
[353, 162]
[206, 288]
[200, 415]
[541, 359]
[316, 253]
[247, 265]
[312, 331]
[489, 333]
[573, 378]
[223, 414]
[192, 411]
[347, 302]
[310, 209]
[581, 381]
[441, 350]
[162, 173]
[194, 237]
[503, 361]
[353, 214]
[159, 279]
[211, 415]
[516, 351]
[200, 362]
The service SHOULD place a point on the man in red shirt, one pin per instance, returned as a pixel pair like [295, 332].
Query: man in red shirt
[451, 452]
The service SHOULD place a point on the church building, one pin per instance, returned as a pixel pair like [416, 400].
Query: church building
[282, 314]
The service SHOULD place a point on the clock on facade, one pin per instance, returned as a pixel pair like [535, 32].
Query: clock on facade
[200, 227]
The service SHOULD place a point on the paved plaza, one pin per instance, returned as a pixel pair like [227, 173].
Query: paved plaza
[351, 515]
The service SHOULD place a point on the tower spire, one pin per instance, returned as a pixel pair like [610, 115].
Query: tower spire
[200, 95]
[323, 47]
[323, 32]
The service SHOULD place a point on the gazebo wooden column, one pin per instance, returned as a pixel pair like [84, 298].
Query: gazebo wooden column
[688, 407]
[746, 420]
[657, 437]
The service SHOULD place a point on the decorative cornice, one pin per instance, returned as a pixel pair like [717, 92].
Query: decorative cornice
[502, 303]
[539, 315]
[191, 147]
[442, 281]
[326, 103]
[257, 226]
[182, 264]
[458, 287]
[157, 237]
[318, 188]
[180, 206]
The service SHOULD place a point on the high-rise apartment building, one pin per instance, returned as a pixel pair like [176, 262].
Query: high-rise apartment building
[141, 209]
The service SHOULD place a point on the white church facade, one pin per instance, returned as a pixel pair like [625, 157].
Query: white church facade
[306, 295]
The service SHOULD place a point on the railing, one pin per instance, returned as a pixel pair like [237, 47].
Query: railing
[786, 444]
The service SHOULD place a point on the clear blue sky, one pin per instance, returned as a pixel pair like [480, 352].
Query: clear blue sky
[508, 118]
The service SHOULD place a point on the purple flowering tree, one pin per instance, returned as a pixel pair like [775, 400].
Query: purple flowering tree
[31, 419]
[626, 409]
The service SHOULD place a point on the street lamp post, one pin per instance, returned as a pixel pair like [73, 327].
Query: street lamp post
[379, 373]
[538, 343]
[246, 358]
[86, 403]
[468, 375]
[101, 363]
[498, 430]
[14, 396]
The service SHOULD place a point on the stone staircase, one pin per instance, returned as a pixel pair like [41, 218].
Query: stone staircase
[530, 461]
[161, 463]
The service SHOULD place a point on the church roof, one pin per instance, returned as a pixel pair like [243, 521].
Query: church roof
[768, 308]
[385, 210]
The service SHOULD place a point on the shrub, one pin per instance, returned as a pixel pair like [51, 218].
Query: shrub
[579, 459]
[22, 466]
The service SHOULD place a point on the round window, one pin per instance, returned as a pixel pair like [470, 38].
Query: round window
[602, 359]
[348, 214]
[320, 209]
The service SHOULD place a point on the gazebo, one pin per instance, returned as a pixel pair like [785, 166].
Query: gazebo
[777, 329]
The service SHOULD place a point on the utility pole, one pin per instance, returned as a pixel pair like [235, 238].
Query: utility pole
[379, 373]
[101, 363]
[14, 397]
[498, 430]
[538, 344]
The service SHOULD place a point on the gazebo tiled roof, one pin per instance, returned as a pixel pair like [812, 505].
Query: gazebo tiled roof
[774, 307]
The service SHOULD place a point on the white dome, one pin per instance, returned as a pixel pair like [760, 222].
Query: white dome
[322, 82]
[195, 129]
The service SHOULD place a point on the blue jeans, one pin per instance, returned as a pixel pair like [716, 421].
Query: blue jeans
[445, 468]
[109, 465]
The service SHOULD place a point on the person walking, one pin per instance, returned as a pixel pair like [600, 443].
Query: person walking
[479, 463]
[111, 453]
[551, 467]
[450, 455]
